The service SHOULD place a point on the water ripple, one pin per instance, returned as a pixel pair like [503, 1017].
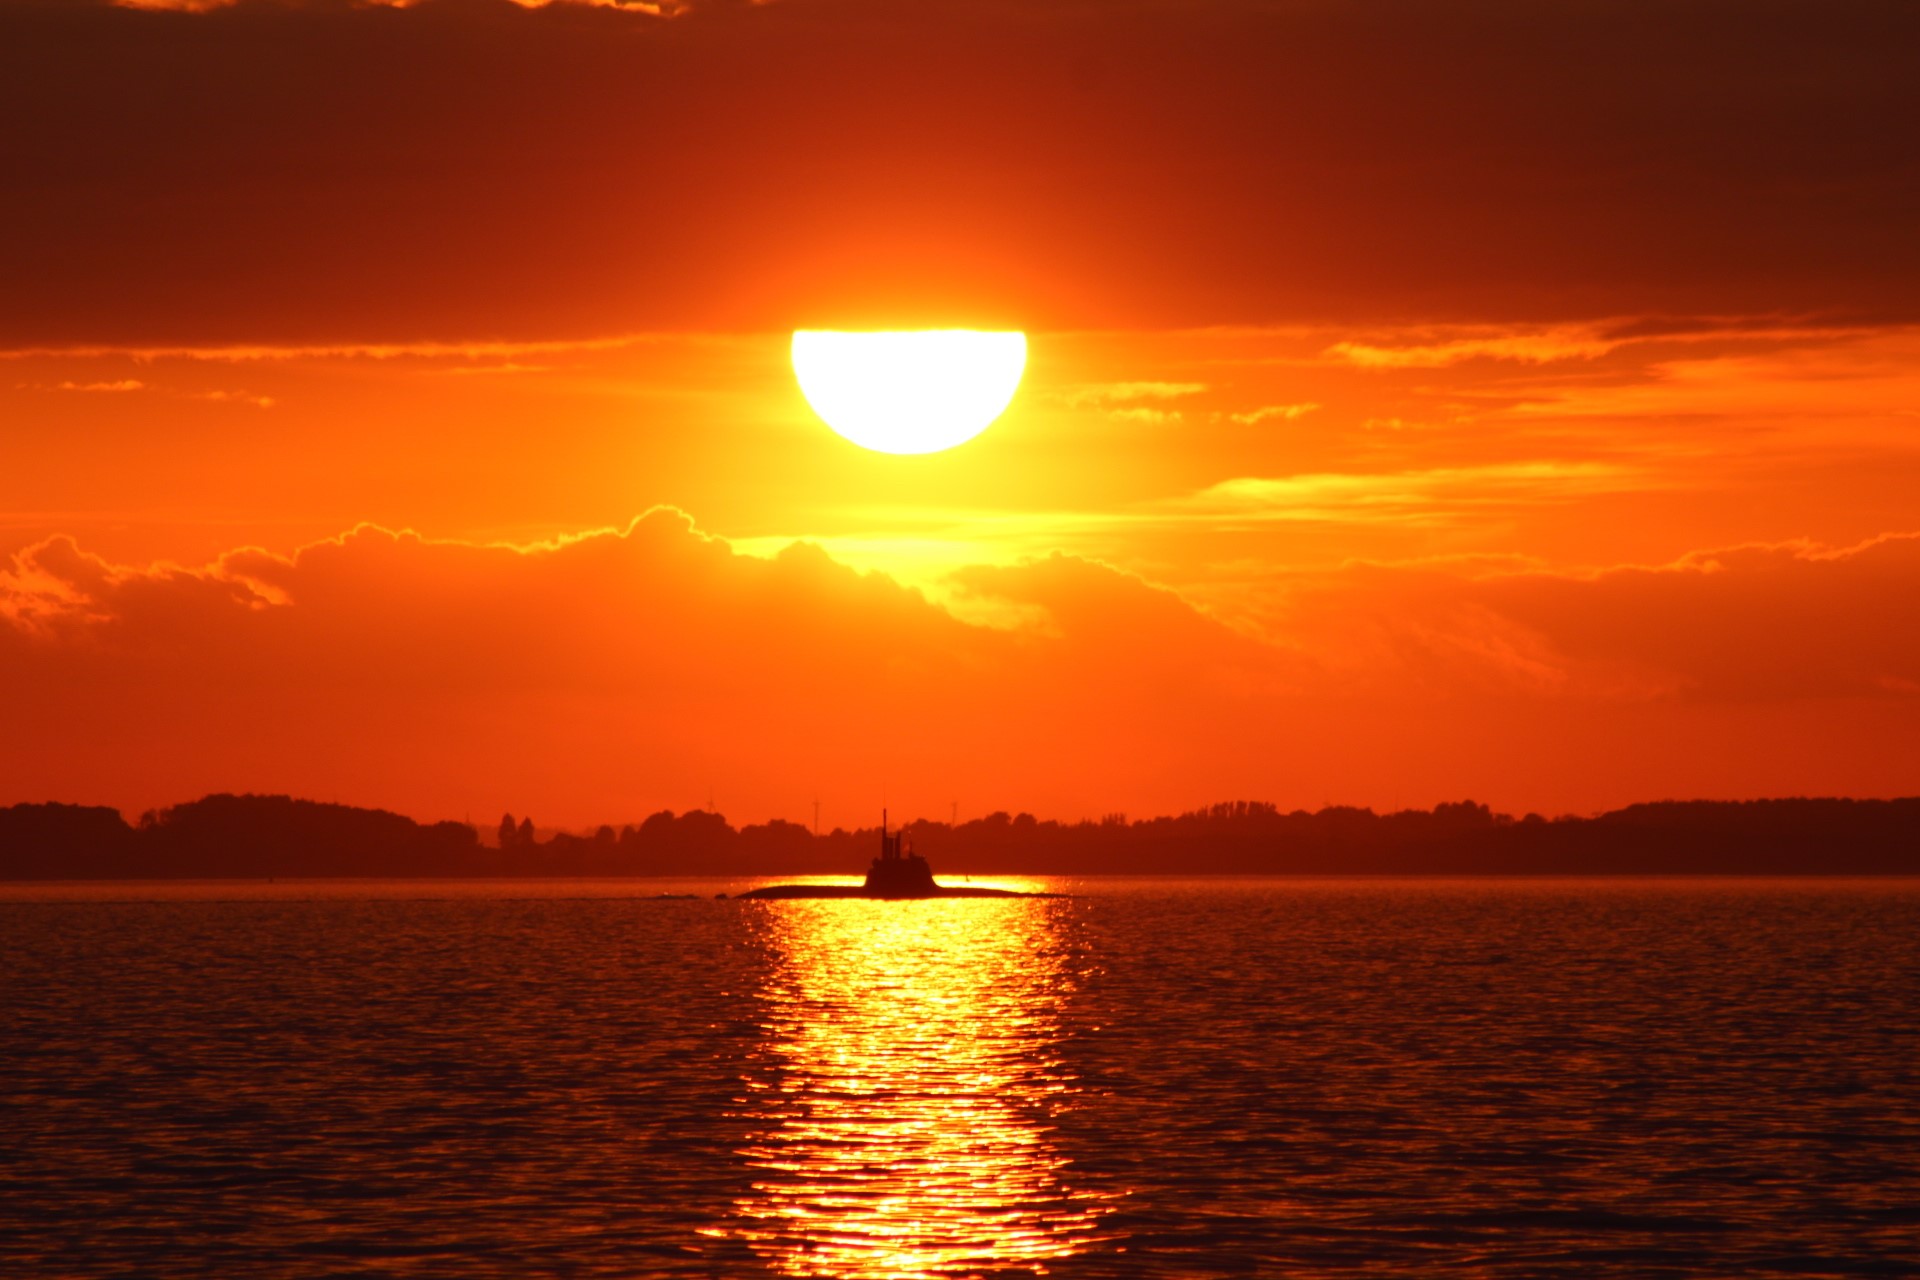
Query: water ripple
[1150, 1079]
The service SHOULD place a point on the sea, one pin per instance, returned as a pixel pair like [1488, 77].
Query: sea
[1144, 1078]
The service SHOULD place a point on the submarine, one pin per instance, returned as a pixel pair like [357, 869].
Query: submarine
[897, 873]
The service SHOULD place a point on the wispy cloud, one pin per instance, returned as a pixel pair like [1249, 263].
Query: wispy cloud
[1104, 394]
[248, 353]
[1145, 413]
[648, 8]
[126, 386]
[1400, 496]
[1399, 499]
[1869, 376]
[176, 6]
[116, 386]
[1272, 412]
[233, 397]
[651, 8]
[1438, 349]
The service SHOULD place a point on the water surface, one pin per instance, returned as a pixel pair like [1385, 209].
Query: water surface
[1151, 1078]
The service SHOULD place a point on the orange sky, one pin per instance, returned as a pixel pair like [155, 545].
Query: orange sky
[394, 406]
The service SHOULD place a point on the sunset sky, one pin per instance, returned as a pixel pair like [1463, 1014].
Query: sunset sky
[1485, 398]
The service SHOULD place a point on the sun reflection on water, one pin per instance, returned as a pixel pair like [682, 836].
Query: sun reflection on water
[905, 1104]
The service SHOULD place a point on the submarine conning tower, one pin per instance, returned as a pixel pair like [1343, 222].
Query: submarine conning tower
[891, 846]
[898, 872]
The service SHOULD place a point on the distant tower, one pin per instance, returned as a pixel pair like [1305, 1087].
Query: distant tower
[816, 815]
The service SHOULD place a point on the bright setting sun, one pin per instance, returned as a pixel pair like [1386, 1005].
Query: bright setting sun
[909, 392]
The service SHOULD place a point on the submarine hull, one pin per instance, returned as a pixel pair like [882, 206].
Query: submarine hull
[861, 891]
[898, 874]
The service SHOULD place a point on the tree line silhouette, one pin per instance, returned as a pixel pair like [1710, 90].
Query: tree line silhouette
[248, 836]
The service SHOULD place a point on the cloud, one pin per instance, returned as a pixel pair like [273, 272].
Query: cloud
[116, 386]
[648, 8]
[1129, 401]
[1120, 393]
[1272, 412]
[234, 397]
[1763, 623]
[1815, 378]
[1110, 622]
[577, 169]
[176, 6]
[247, 353]
[1535, 346]
[1426, 495]
[123, 386]
[652, 654]
[614, 672]
[1145, 414]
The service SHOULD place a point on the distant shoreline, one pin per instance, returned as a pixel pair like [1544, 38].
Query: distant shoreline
[1172, 877]
[250, 838]
[12, 897]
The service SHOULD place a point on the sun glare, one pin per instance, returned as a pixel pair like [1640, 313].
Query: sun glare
[909, 392]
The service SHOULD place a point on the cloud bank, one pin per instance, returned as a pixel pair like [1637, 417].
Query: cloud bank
[622, 670]
[458, 168]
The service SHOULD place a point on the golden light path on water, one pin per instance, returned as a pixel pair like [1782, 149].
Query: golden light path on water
[907, 1097]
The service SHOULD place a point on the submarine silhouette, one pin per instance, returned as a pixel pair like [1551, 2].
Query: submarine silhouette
[898, 872]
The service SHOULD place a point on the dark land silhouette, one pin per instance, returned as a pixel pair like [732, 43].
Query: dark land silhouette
[227, 836]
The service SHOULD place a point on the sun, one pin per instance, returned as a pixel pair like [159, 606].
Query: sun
[912, 391]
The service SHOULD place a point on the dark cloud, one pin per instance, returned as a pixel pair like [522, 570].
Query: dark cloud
[272, 171]
[1747, 623]
[1751, 624]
